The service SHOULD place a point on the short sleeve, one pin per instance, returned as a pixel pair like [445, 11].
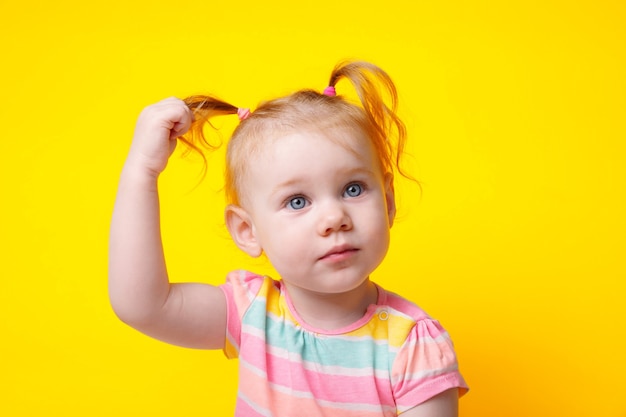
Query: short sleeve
[425, 365]
[240, 289]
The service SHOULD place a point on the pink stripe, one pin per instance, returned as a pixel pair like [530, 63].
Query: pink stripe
[243, 409]
[428, 348]
[403, 307]
[233, 324]
[245, 286]
[293, 405]
[328, 387]
[410, 398]
[239, 289]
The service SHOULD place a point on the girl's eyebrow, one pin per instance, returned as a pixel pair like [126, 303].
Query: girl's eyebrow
[290, 183]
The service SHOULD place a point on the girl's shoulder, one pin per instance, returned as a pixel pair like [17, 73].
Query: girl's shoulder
[401, 306]
[244, 286]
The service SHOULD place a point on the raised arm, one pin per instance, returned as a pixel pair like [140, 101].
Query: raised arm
[191, 315]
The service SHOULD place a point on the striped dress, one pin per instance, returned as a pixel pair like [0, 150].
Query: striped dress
[389, 361]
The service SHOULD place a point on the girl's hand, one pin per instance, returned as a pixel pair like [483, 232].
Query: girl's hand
[157, 129]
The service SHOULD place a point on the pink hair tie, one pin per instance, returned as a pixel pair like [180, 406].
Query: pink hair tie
[243, 113]
[330, 91]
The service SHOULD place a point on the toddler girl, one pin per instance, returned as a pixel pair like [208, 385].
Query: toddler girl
[309, 183]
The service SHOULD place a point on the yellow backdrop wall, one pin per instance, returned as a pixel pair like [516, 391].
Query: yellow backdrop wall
[516, 116]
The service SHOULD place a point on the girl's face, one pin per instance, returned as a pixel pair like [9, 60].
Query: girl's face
[320, 210]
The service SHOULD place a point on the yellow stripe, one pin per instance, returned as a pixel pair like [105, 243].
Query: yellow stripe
[394, 329]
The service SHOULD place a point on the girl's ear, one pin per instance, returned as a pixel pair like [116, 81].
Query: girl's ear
[390, 198]
[242, 230]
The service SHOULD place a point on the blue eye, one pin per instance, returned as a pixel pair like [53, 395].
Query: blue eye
[353, 190]
[297, 203]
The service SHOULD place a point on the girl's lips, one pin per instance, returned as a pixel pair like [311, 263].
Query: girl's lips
[339, 254]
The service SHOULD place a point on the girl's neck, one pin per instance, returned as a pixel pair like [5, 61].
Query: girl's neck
[332, 311]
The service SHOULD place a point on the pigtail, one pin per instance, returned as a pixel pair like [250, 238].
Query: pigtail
[204, 108]
[374, 88]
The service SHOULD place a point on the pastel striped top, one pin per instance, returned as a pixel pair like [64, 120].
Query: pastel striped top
[389, 361]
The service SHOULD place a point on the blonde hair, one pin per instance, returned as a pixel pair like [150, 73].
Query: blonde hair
[308, 109]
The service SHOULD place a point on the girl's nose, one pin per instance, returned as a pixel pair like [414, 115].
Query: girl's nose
[333, 218]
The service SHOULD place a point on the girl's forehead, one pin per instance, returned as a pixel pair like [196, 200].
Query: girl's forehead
[307, 154]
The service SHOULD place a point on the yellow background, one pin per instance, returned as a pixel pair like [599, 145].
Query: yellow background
[516, 113]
